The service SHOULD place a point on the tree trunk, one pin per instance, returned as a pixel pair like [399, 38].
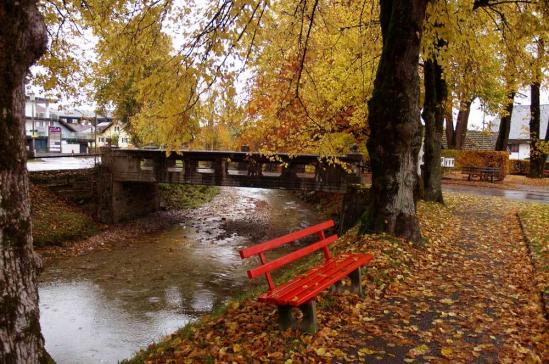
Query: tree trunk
[505, 123]
[537, 158]
[393, 119]
[450, 133]
[22, 42]
[433, 116]
[462, 122]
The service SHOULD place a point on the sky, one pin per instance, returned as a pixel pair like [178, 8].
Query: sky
[477, 116]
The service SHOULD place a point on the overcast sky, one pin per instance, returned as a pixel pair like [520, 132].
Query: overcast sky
[477, 115]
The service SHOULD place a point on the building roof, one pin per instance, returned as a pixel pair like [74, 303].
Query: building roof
[101, 127]
[520, 122]
[476, 140]
[77, 128]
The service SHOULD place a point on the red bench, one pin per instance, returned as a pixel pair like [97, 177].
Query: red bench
[301, 291]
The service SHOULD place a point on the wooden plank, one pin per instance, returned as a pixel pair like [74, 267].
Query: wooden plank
[293, 256]
[296, 292]
[296, 284]
[312, 292]
[275, 243]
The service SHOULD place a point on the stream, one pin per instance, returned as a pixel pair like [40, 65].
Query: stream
[105, 306]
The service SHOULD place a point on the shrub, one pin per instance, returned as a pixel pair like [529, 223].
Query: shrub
[519, 167]
[479, 158]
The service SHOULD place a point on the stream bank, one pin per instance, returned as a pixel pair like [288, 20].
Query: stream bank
[104, 305]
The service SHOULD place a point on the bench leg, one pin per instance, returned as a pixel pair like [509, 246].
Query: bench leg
[356, 282]
[285, 320]
[309, 317]
[336, 287]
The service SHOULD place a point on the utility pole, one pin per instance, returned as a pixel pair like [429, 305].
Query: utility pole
[95, 140]
[33, 131]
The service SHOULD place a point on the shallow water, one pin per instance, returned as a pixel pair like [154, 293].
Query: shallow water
[102, 307]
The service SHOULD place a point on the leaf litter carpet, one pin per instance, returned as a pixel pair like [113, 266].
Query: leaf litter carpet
[466, 295]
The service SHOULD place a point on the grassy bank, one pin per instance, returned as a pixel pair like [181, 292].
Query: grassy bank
[180, 197]
[58, 221]
[55, 220]
[535, 225]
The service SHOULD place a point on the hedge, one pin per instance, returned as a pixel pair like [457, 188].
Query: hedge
[479, 158]
[519, 166]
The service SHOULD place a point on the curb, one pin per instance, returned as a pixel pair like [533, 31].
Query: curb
[544, 296]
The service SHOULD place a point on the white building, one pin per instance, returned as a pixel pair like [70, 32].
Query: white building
[113, 133]
[519, 135]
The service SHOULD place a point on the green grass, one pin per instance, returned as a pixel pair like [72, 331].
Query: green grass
[56, 221]
[176, 196]
[535, 223]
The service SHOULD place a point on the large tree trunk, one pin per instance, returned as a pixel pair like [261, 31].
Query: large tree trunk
[433, 116]
[449, 129]
[537, 158]
[22, 42]
[505, 123]
[393, 119]
[462, 123]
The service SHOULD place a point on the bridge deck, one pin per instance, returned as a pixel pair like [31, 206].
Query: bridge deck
[238, 169]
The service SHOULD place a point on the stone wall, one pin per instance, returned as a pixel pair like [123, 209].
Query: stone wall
[119, 201]
[94, 189]
[78, 186]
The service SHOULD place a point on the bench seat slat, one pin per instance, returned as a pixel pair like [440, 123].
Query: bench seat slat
[303, 288]
[275, 243]
[297, 283]
[288, 258]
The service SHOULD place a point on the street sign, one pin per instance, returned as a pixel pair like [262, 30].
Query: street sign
[54, 139]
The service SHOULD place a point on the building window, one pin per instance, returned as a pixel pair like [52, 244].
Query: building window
[514, 148]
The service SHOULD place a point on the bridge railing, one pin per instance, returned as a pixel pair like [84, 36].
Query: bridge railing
[242, 169]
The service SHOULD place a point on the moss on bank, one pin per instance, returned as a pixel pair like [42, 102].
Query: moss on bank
[55, 220]
[179, 197]
[58, 221]
[534, 219]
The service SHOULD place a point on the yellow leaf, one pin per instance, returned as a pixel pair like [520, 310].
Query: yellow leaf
[419, 350]
[366, 351]
[320, 351]
[236, 348]
[447, 301]
[446, 352]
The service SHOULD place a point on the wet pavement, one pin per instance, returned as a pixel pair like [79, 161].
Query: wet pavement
[538, 195]
[103, 307]
[62, 163]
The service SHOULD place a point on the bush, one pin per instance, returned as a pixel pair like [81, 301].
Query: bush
[479, 158]
[519, 167]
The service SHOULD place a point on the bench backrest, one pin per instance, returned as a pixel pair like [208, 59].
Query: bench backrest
[266, 267]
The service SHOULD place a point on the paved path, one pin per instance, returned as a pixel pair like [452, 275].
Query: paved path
[470, 299]
[535, 194]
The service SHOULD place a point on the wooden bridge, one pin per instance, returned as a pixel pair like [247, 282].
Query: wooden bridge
[130, 177]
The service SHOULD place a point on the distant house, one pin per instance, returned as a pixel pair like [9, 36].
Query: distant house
[113, 133]
[39, 107]
[519, 135]
[476, 140]
[73, 130]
